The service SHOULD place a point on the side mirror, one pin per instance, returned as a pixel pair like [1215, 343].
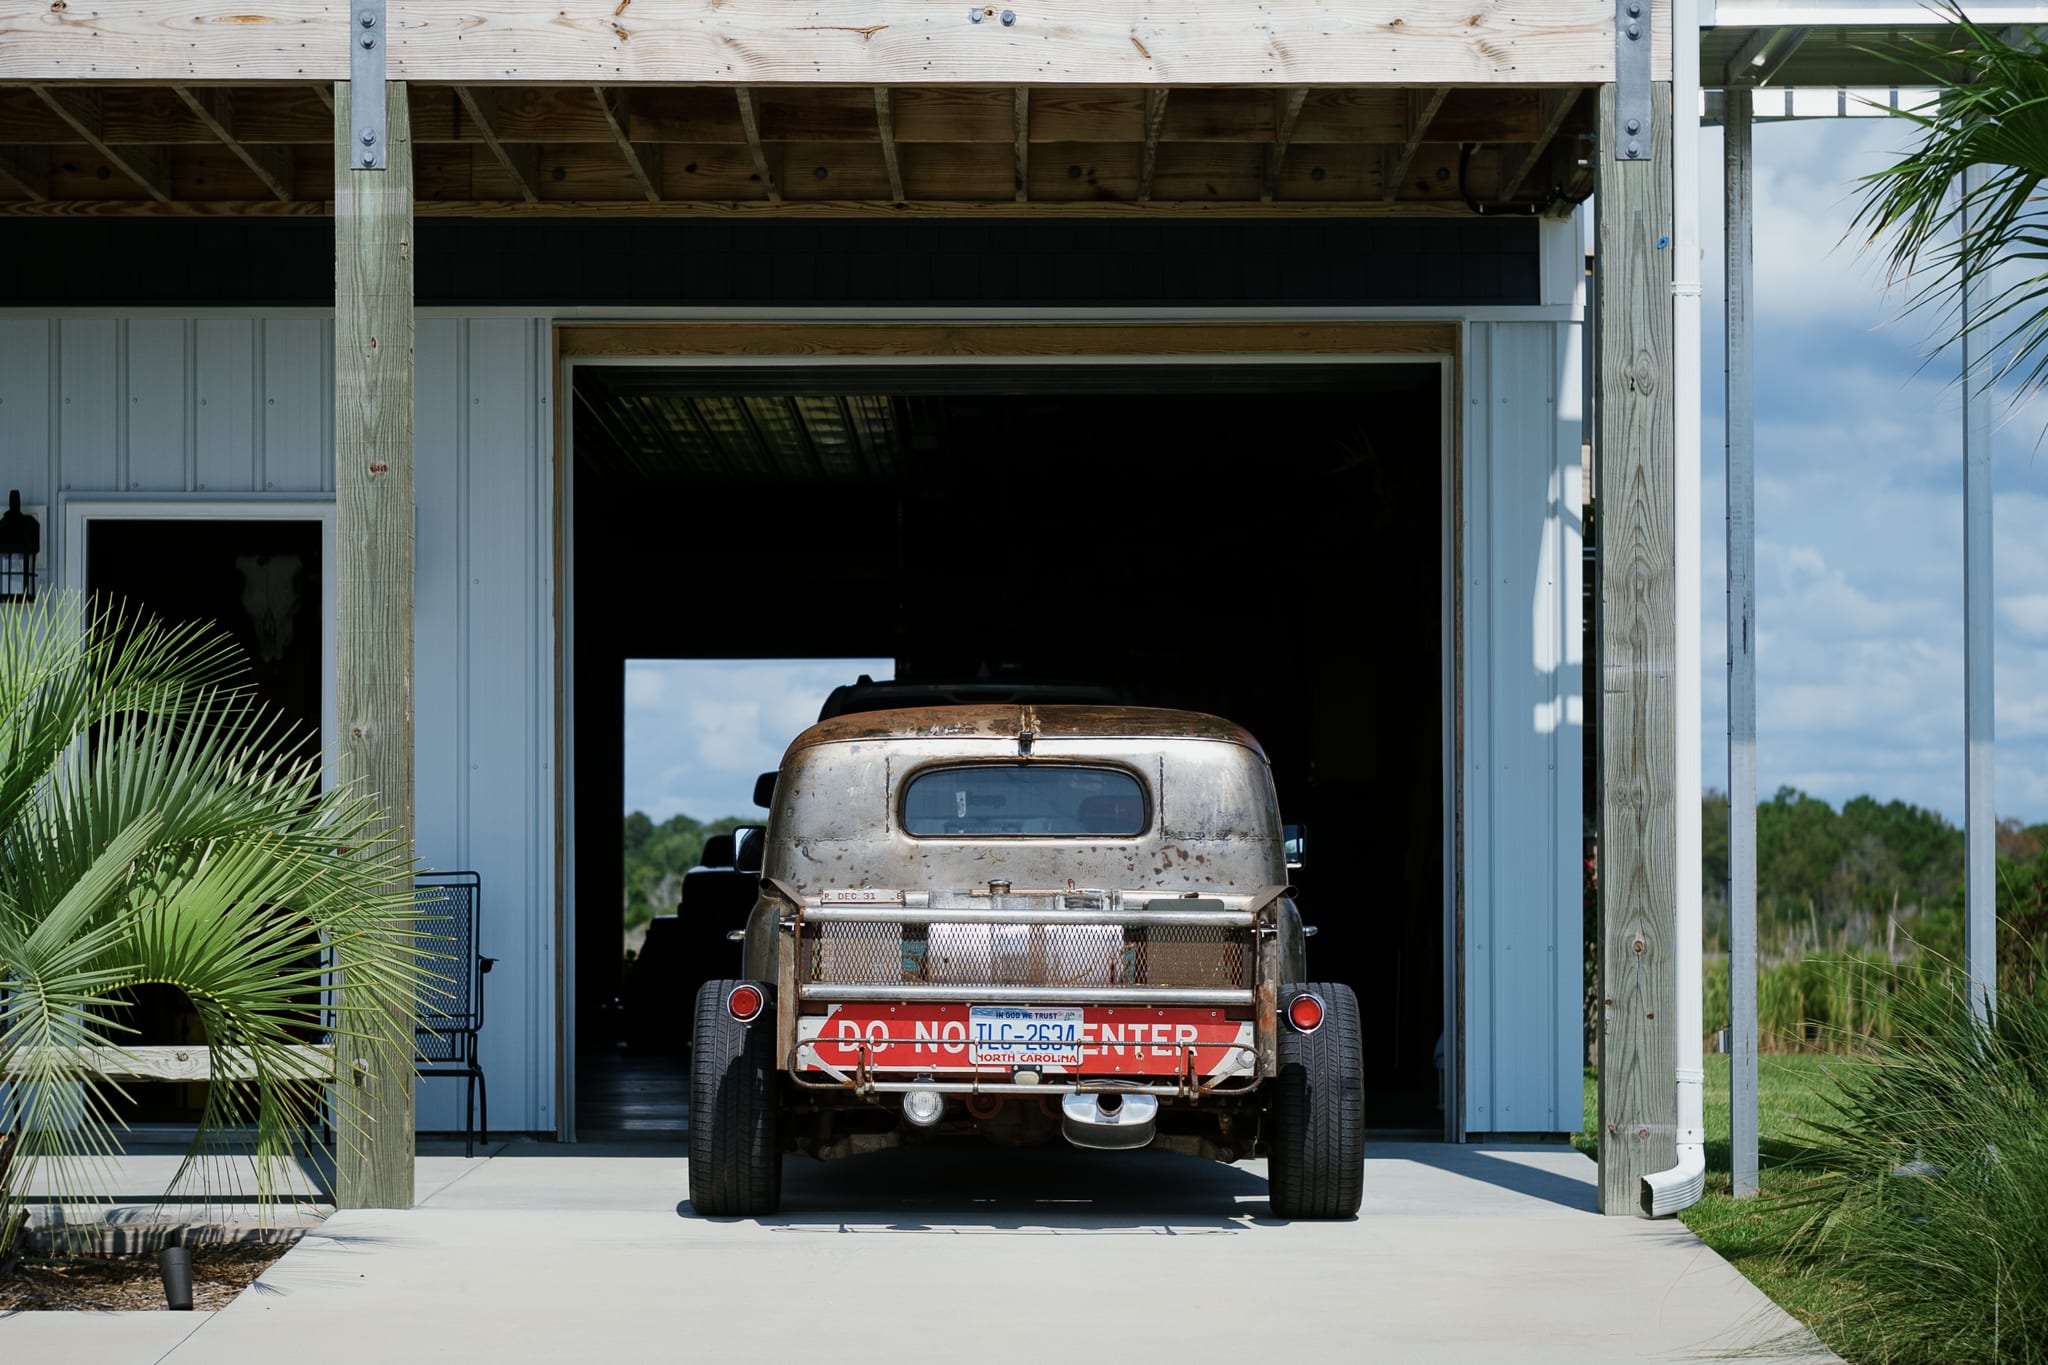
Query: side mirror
[764, 790]
[749, 843]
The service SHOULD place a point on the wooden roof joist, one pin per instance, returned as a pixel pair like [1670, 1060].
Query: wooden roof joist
[845, 42]
[611, 150]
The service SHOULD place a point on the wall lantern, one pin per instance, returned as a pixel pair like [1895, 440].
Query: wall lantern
[21, 541]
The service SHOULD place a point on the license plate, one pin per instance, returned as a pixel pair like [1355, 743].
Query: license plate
[999, 1035]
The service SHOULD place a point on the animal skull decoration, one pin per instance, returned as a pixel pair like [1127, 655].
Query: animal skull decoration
[270, 594]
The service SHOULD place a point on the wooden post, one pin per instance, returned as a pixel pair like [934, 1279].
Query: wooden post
[1635, 445]
[373, 570]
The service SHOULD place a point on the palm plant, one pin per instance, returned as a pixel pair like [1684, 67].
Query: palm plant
[160, 827]
[1991, 112]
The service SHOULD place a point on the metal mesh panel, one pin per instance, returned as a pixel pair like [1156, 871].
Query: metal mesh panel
[872, 954]
[446, 966]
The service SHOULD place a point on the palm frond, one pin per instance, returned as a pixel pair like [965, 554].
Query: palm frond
[1991, 112]
[158, 826]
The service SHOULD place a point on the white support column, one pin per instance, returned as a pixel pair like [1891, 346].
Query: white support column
[1980, 818]
[1741, 490]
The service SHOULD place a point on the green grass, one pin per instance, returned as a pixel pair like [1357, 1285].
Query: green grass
[1754, 1233]
[1833, 1237]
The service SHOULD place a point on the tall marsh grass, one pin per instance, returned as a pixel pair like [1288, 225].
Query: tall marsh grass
[1840, 1002]
[1930, 1203]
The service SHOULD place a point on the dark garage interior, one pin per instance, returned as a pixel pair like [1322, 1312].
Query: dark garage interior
[1259, 541]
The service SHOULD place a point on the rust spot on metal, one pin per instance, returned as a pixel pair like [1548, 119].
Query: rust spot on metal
[1143, 51]
[1004, 722]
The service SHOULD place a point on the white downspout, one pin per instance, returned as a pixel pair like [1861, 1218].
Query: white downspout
[1666, 1192]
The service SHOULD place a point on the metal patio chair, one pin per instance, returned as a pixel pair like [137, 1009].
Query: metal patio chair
[452, 975]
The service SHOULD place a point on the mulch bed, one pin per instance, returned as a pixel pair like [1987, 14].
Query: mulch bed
[132, 1282]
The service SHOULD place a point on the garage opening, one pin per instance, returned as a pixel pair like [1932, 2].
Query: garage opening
[1263, 541]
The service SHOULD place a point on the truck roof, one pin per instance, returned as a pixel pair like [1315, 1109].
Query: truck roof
[1010, 721]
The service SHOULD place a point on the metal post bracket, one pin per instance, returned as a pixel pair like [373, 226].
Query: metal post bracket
[367, 40]
[1632, 80]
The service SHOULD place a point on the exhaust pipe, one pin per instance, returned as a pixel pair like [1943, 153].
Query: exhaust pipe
[1109, 1120]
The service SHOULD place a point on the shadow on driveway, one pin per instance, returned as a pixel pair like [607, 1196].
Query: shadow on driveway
[1035, 1190]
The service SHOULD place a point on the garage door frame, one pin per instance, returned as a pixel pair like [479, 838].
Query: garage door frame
[822, 345]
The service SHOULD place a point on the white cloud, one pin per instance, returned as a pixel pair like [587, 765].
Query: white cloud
[2026, 616]
[1859, 513]
[699, 731]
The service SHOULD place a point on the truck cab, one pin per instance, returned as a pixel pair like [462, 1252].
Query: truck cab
[1022, 924]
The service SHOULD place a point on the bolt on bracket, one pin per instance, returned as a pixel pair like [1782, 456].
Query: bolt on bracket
[1632, 133]
[366, 47]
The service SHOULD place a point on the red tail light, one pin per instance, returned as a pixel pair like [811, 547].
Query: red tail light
[744, 1003]
[1305, 1012]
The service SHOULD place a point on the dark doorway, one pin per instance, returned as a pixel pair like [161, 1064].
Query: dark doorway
[1259, 541]
[260, 581]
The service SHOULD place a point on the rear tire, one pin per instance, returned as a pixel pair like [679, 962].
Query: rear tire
[735, 1146]
[1315, 1165]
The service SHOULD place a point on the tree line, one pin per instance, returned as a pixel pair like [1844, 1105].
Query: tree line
[657, 856]
[1873, 876]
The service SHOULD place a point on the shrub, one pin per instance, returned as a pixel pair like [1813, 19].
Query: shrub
[1931, 1206]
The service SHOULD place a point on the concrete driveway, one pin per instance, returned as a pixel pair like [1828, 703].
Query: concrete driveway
[553, 1253]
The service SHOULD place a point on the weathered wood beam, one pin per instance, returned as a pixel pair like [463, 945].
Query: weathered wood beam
[750, 121]
[644, 161]
[1557, 106]
[149, 167]
[216, 109]
[1286, 113]
[1635, 446]
[521, 160]
[27, 169]
[1422, 107]
[324, 95]
[885, 129]
[155, 1062]
[373, 572]
[824, 42]
[1020, 117]
[1148, 157]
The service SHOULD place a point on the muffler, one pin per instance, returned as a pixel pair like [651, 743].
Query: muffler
[1109, 1120]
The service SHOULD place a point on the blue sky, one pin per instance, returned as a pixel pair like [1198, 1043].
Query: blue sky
[1859, 531]
[1859, 509]
[698, 732]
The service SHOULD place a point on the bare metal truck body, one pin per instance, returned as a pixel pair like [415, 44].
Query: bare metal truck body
[1025, 923]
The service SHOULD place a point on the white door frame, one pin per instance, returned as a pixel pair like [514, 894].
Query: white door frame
[80, 510]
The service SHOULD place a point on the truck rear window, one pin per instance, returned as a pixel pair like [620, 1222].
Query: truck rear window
[1027, 799]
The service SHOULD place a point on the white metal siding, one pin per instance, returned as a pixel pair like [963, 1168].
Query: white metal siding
[225, 404]
[1523, 737]
[485, 670]
[162, 406]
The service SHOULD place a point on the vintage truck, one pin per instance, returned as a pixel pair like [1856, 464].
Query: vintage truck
[1022, 923]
